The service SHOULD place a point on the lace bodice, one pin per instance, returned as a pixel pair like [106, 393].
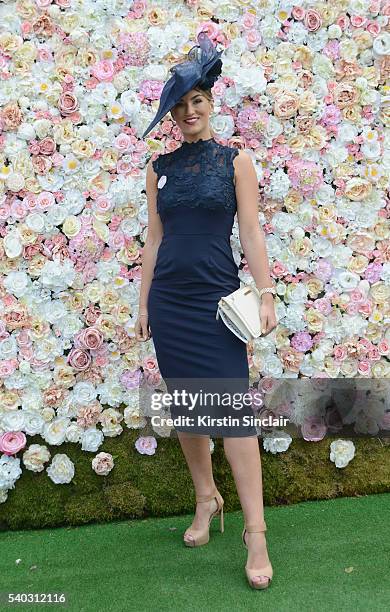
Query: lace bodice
[197, 174]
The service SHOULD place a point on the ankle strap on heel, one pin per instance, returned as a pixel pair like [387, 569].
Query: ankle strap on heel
[206, 498]
[256, 528]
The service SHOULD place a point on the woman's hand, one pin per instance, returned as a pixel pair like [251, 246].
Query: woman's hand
[267, 314]
[142, 329]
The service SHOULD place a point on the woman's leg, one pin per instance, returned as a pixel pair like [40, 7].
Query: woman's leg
[243, 455]
[196, 450]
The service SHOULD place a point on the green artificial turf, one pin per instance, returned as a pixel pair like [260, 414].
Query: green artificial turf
[326, 555]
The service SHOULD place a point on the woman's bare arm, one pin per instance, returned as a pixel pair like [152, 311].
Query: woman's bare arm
[250, 232]
[153, 238]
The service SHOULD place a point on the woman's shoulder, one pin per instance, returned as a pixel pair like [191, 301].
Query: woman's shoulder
[161, 160]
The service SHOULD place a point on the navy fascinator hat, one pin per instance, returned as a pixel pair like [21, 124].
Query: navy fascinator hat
[202, 69]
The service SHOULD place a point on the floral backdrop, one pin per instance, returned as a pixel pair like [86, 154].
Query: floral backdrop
[304, 89]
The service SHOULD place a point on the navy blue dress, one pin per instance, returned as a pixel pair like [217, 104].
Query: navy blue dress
[194, 267]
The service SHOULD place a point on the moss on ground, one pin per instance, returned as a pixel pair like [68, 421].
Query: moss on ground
[160, 485]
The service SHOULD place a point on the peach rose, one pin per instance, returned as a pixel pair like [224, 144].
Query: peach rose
[286, 104]
[345, 94]
[41, 164]
[12, 116]
[43, 26]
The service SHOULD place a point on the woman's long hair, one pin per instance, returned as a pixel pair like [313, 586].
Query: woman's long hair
[209, 96]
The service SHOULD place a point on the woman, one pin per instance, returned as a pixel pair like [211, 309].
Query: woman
[193, 194]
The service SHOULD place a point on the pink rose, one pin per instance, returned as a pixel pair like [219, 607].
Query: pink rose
[79, 359]
[313, 429]
[12, 442]
[383, 347]
[47, 146]
[364, 367]
[340, 352]
[67, 103]
[90, 338]
[248, 21]
[150, 364]
[373, 28]
[103, 70]
[146, 445]
[8, 367]
[385, 422]
[358, 21]
[103, 463]
[312, 20]
[298, 13]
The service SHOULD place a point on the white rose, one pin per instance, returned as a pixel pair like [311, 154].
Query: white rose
[13, 421]
[8, 348]
[348, 49]
[251, 81]
[35, 456]
[341, 452]
[371, 150]
[35, 222]
[334, 31]
[42, 127]
[74, 200]
[130, 103]
[71, 226]
[381, 44]
[323, 67]
[347, 133]
[17, 283]
[91, 439]
[61, 469]
[133, 418]
[9, 471]
[15, 181]
[277, 442]
[223, 126]
[56, 214]
[325, 194]
[73, 433]
[336, 154]
[13, 245]
[26, 131]
[84, 392]
[58, 274]
[34, 423]
[55, 431]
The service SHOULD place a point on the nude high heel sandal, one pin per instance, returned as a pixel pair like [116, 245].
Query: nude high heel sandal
[263, 572]
[202, 537]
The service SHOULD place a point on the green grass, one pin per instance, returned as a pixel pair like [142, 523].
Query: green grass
[143, 566]
[141, 486]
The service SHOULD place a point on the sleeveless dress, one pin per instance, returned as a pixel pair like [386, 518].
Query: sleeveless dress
[194, 267]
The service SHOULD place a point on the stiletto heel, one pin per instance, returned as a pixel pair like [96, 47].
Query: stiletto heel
[263, 572]
[202, 537]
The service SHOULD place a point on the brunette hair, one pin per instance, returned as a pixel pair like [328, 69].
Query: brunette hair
[209, 96]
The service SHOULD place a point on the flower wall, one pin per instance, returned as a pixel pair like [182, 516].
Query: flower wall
[304, 90]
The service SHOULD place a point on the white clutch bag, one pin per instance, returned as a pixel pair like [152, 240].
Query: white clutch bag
[240, 312]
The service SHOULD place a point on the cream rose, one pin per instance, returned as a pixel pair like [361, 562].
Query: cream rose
[358, 189]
